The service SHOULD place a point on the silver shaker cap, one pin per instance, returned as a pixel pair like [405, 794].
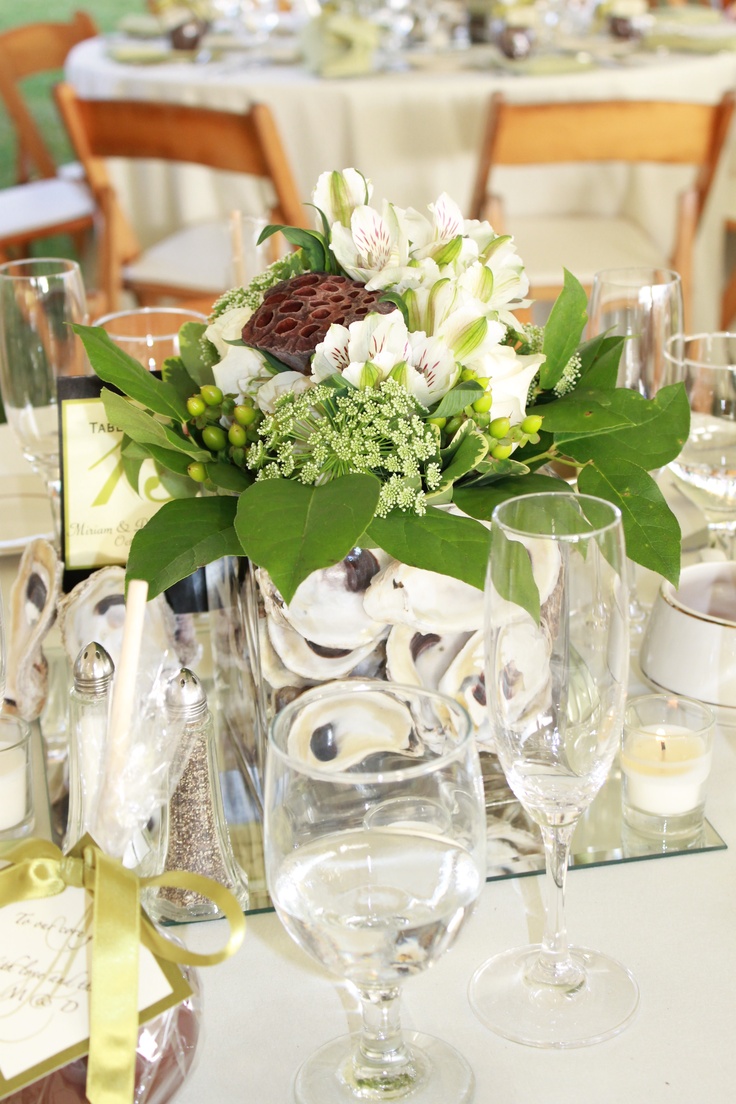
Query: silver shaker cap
[185, 698]
[93, 670]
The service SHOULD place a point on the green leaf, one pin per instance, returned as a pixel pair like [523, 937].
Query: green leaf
[144, 428]
[600, 359]
[312, 242]
[471, 450]
[563, 330]
[132, 456]
[480, 502]
[229, 477]
[655, 432]
[177, 486]
[274, 362]
[190, 350]
[398, 301]
[489, 471]
[436, 541]
[114, 366]
[651, 529]
[512, 575]
[293, 530]
[174, 372]
[184, 535]
[457, 398]
[583, 412]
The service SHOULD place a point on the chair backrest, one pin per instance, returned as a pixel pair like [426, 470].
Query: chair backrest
[26, 51]
[246, 142]
[613, 130]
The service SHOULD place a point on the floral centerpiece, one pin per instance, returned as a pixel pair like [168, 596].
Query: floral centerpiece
[350, 419]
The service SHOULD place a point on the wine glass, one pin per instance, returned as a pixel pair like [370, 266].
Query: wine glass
[645, 306]
[375, 856]
[39, 299]
[706, 468]
[556, 674]
[148, 334]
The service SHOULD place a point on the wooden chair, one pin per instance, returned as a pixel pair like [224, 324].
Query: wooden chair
[607, 131]
[728, 302]
[193, 265]
[46, 200]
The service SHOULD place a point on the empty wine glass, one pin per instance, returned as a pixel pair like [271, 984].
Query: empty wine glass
[39, 299]
[706, 468]
[645, 306]
[375, 855]
[148, 334]
[556, 672]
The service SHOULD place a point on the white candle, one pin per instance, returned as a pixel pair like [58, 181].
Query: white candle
[12, 784]
[665, 768]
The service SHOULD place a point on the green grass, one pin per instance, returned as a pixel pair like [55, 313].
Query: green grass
[37, 90]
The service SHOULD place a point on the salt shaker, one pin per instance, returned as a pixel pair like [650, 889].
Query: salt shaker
[197, 837]
[89, 700]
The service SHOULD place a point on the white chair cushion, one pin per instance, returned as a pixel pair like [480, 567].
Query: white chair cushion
[42, 204]
[583, 245]
[199, 257]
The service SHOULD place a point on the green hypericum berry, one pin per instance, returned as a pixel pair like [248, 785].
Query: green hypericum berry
[454, 424]
[499, 427]
[483, 404]
[236, 435]
[214, 437]
[245, 415]
[197, 472]
[482, 418]
[195, 405]
[467, 374]
[212, 395]
[532, 423]
[439, 422]
[502, 452]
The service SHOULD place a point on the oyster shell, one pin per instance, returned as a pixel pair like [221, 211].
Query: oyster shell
[95, 610]
[465, 681]
[420, 659]
[315, 661]
[340, 732]
[428, 601]
[328, 608]
[33, 601]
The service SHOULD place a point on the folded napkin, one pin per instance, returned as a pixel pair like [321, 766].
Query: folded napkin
[690, 44]
[337, 45]
[546, 65]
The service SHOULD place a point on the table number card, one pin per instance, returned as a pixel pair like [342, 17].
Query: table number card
[44, 985]
[101, 512]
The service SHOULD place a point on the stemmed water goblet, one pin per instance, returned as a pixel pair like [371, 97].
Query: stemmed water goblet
[39, 299]
[374, 841]
[705, 470]
[645, 306]
[556, 674]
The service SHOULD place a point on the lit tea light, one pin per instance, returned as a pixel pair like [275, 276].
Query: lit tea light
[665, 761]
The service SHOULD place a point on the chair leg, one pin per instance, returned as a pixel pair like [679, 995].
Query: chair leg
[728, 303]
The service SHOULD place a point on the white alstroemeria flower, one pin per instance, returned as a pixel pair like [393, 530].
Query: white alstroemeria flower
[281, 384]
[380, 340]
[511, 376]
[372, 244]
[471, 336]
[337, 194]
[432, 370]
[510, 281]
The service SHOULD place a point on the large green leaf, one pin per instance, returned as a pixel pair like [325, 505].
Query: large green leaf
[658, 429]
[292, 530]
[190, 349]
[599, 361]
[147, 430]
[457, 399]
[229, 477]
[184, 535]
[584, 412]
[512, 575]
[114, 366]
[312, 242]
[563, 330]
[651, 529]
[437, 541]
[174, 372]
[480, 502]
[472, 448]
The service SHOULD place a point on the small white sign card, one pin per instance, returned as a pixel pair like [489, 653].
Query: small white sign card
[45, 949]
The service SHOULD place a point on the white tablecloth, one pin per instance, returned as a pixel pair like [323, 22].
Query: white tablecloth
[415, 134]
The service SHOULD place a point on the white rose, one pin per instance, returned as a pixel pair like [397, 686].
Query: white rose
[511, 377]
[228, 327]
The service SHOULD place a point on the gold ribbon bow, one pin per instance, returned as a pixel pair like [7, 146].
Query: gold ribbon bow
[119, 925]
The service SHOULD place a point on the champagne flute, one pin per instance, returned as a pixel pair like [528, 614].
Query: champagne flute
[39, 299]
[705, 470]
[375, 856]
[645, 306]
[556, 673]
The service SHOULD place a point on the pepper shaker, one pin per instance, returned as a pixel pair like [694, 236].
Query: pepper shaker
[89, 701]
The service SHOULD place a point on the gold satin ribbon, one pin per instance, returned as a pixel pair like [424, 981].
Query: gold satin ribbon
[119, 926]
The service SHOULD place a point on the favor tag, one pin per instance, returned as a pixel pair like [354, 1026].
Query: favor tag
[44, 985]
[101, 512]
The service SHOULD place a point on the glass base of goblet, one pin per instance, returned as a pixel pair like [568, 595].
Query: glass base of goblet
[441, 1075]
[505, 999]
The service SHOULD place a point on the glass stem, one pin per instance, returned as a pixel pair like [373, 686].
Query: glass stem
[53, 487]
[555, 966]
[382, 1065]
